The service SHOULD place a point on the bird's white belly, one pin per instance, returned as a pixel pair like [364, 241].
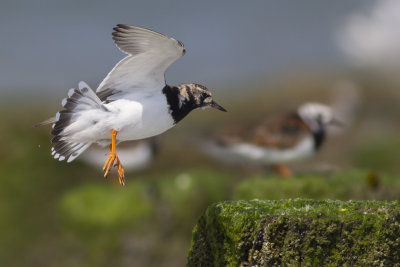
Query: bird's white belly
[305, 148]
[138, 120]
[247, 153]
[146, 116]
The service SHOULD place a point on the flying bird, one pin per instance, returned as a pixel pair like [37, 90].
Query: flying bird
[132, 102]
[275, 141]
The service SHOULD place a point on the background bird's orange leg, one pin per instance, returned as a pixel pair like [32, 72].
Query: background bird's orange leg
[283, 170]
[114, 160]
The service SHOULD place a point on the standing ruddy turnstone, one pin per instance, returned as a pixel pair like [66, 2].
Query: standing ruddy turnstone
[132, 102]
[276, 141]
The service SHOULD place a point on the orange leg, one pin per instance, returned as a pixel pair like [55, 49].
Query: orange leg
[283, 170]
[113, 160]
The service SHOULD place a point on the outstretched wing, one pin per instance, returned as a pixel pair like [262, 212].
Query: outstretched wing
[149, 55]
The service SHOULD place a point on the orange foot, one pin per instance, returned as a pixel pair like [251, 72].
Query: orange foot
[113, 160]
[283, 170]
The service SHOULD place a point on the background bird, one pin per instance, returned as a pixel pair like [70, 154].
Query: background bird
[275, 141]
[132, 102]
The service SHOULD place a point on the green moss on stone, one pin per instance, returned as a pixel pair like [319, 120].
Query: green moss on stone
[294, 232]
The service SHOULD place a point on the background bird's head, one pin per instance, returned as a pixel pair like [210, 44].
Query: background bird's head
[197, 96]
[317, 116]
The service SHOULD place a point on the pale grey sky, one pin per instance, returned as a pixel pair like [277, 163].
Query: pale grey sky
[52, 45]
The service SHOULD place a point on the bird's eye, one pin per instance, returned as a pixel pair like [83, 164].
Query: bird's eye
[207, 99]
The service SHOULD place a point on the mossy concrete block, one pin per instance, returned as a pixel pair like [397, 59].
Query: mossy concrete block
[297, 232]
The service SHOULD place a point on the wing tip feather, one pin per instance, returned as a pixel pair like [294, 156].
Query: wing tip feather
[123, 26]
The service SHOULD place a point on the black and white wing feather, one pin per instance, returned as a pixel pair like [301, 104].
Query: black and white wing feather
[149, 55]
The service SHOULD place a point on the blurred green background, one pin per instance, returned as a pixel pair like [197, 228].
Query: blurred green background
[58, 214]
[54, 213]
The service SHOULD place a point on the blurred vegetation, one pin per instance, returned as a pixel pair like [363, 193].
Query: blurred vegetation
[380, 154]
[343, 185]
[58, 214]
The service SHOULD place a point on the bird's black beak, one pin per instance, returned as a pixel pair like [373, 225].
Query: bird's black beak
[336, 122]
[216, 106]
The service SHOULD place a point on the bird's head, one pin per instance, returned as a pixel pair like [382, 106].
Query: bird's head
[317, 116]
[196, 96]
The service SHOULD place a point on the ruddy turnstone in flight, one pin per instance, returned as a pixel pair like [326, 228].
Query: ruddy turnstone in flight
[132, 102]
[276, 141]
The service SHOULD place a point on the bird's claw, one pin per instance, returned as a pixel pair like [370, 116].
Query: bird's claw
[111, 161]
[121, 174]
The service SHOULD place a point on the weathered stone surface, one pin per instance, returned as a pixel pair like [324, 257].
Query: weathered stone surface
[297, 232]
